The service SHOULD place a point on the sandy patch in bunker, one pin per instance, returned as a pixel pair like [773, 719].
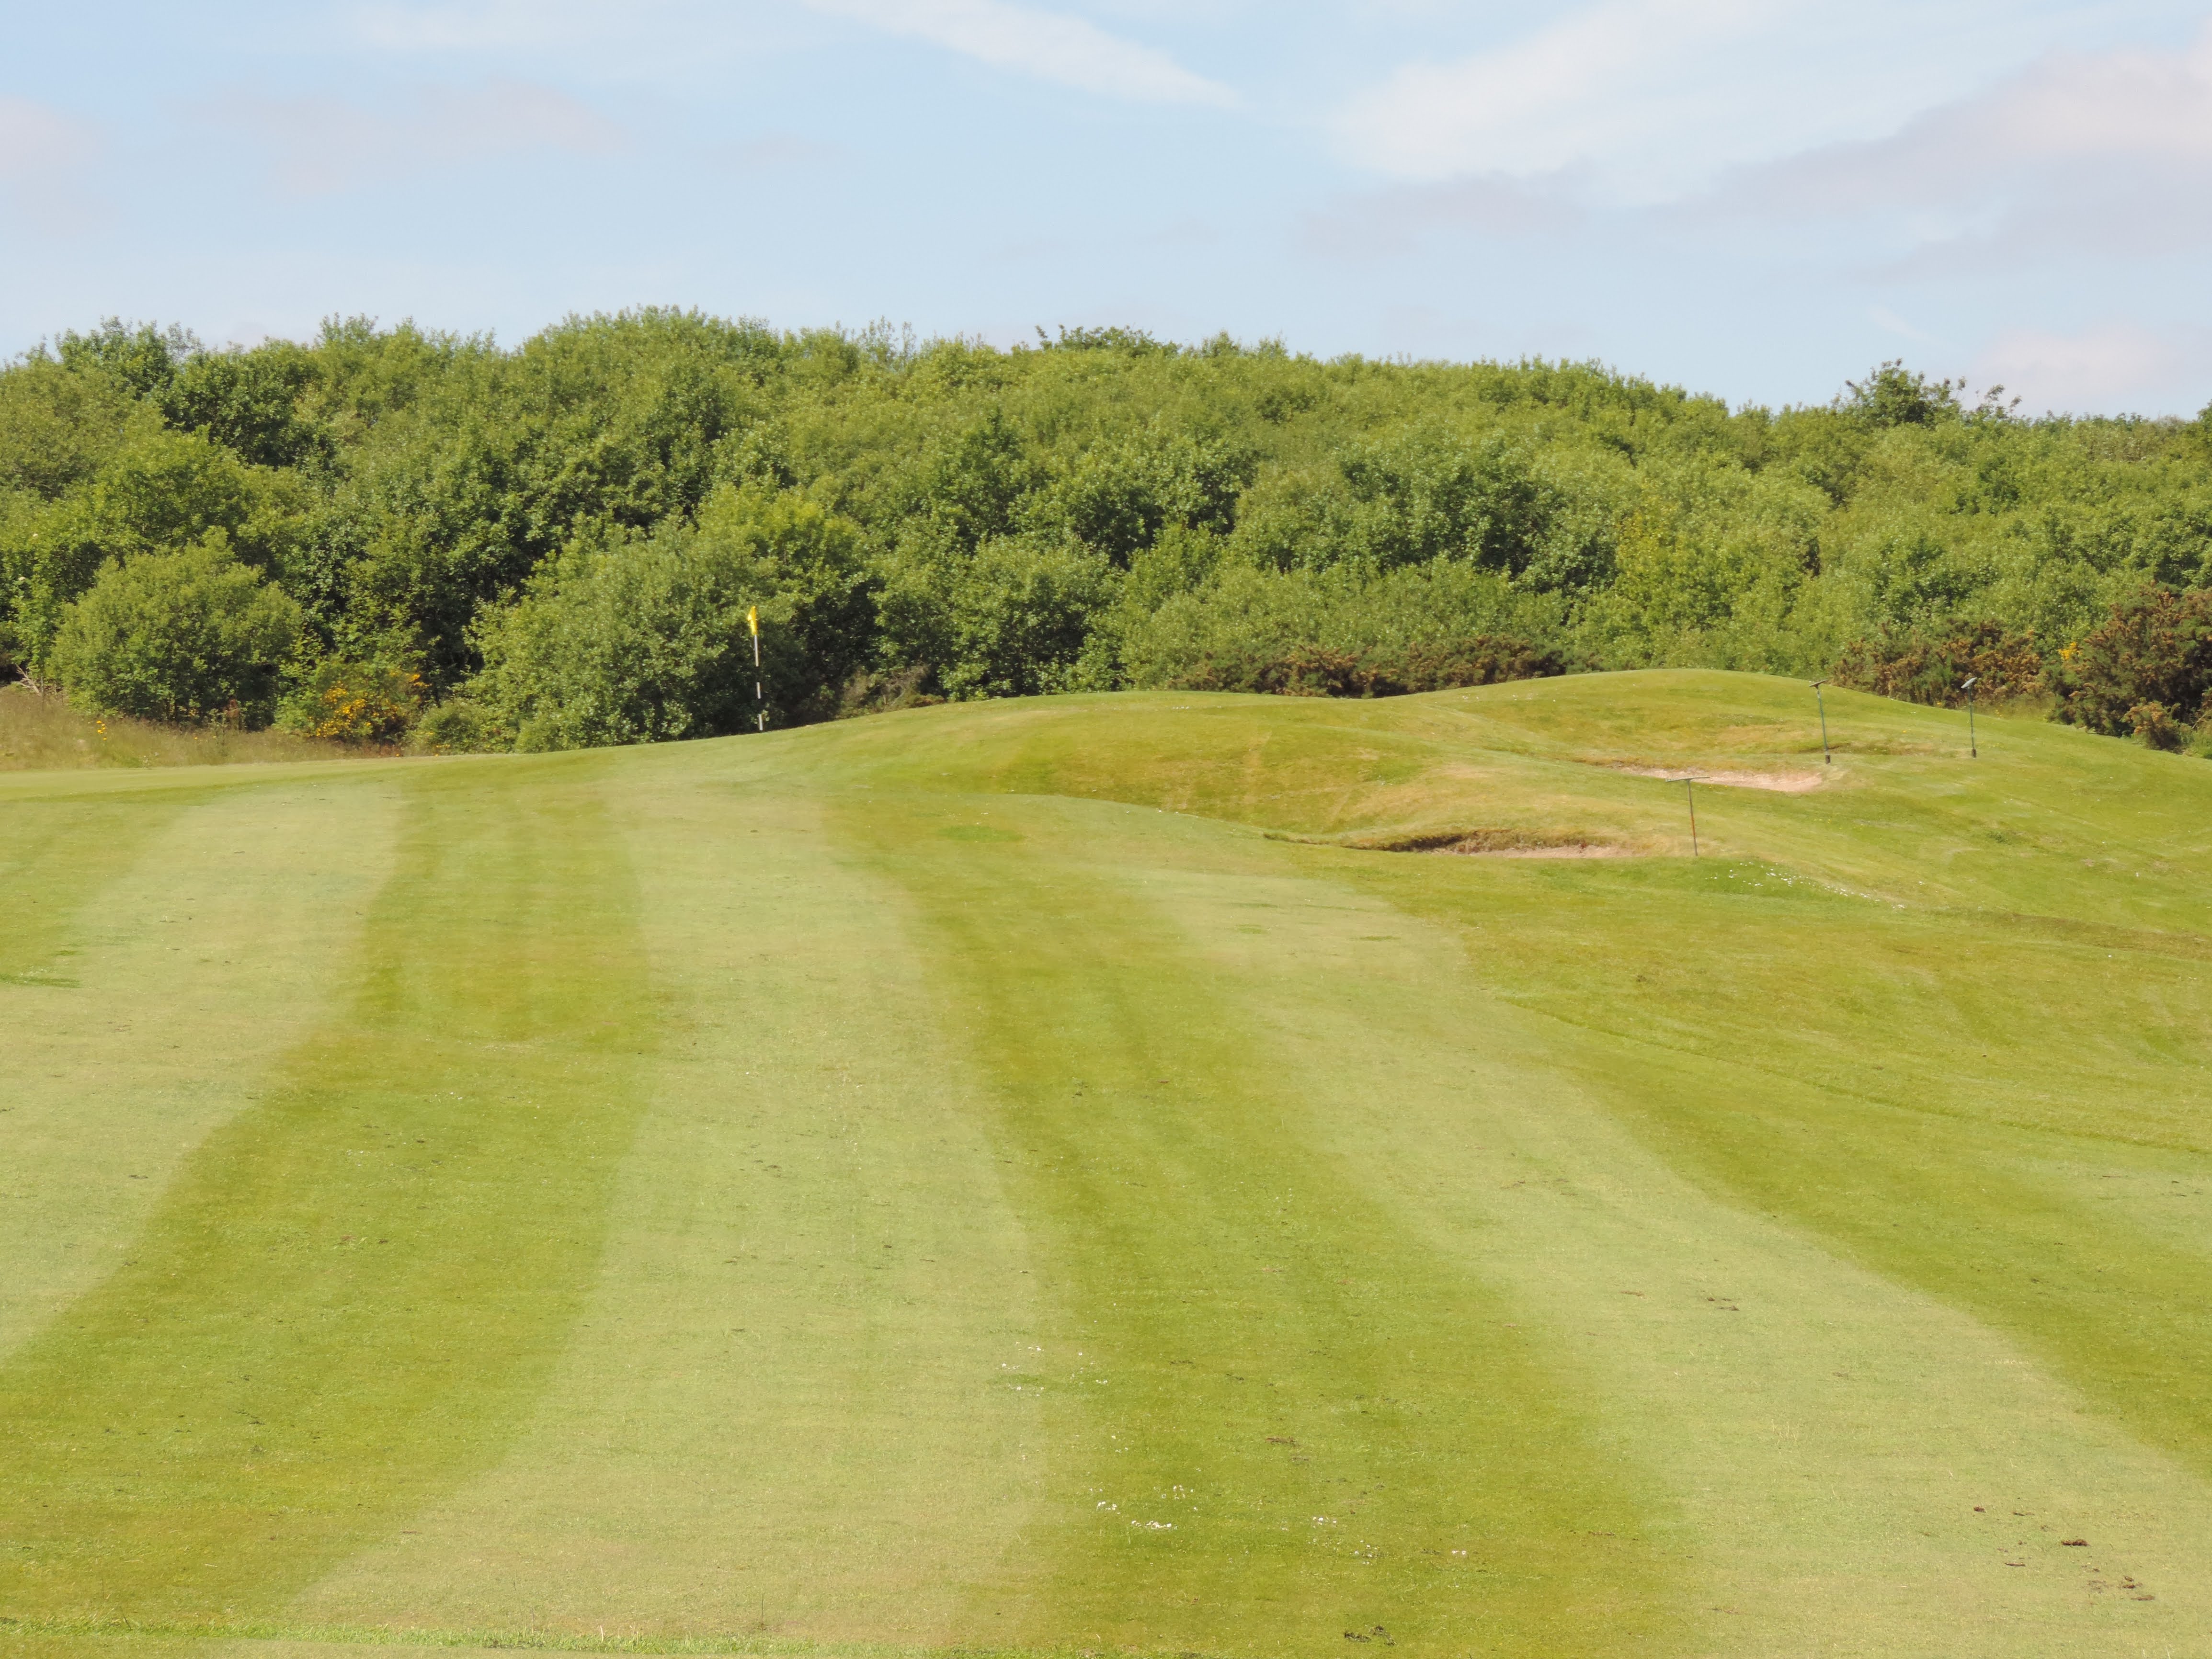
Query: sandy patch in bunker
[1496, 844]
[1583, 850]
[1787, 783]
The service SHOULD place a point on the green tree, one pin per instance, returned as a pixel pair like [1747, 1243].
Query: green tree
[1893, 395]
[1032, 518]
[1010, 620]
[1118, 497]
[1346, 630]
[249, 401]
[57, 426]
[497, 462]
[644, 639]
[1423, 493]
[144, 359]
[189, 636]
[157, 492]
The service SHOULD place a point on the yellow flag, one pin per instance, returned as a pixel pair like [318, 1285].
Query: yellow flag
[753, 619]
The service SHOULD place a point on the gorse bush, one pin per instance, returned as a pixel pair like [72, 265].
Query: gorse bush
[354, 702]
[560, 540]
[2145, 670]
[193, 635]
[1914, 668]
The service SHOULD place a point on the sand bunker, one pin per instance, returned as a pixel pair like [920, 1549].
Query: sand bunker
[1583, 850]
[1788, 783]
[1495, 844]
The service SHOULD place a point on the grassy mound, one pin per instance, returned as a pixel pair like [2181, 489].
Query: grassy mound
[1134, 1173]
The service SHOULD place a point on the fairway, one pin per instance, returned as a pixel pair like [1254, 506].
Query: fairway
[1046, 1177]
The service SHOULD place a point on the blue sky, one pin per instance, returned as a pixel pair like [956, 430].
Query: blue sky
[1751, 198]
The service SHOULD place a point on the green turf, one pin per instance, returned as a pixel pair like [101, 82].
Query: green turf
[1024, 1177]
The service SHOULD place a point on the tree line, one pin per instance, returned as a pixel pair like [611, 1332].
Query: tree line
[390, 534]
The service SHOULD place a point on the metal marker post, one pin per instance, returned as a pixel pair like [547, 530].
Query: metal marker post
[1827, 759]
[1973, 750]
[1690, 786]
[760, 700]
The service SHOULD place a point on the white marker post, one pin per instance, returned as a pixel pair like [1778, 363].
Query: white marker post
[760, 698]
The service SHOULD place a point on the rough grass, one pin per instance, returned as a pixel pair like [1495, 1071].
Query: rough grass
[1020, 1178]
[41, 732]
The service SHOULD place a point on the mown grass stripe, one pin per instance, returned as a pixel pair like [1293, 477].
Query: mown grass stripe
[1276, 1417]
[347, 1299]
[140, 1632]
[2004, 1130]
[55, 858]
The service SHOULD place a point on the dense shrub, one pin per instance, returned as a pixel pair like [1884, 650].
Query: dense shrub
[459, 726]
[1425, 493]
[354, 702]
[1009, 620]
[558, 536]
[2145, 671]
[1914, 668]
[620, 643]
[1369, 633]
[192, 635]
[154, 492]
[1316, 670]
[57, 428]
[2154, 727]
[642, 640]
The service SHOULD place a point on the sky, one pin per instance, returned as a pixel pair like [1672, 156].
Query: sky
[1753, 198]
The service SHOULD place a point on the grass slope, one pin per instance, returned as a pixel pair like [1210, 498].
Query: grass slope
[1023, 1177]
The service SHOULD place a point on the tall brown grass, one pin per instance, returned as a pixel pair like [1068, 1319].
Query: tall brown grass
[40, 732]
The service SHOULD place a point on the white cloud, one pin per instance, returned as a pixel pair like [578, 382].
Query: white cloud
[2113, 366]
[2129, 106]
[1067, 50]
[45, 156]
[1655, 97]
[1581, 87]
[2104, 154]
[318, 146]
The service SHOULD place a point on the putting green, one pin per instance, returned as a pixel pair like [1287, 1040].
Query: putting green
[1026, 1177]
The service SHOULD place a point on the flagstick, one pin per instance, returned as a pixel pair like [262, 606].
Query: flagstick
[760, 698]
